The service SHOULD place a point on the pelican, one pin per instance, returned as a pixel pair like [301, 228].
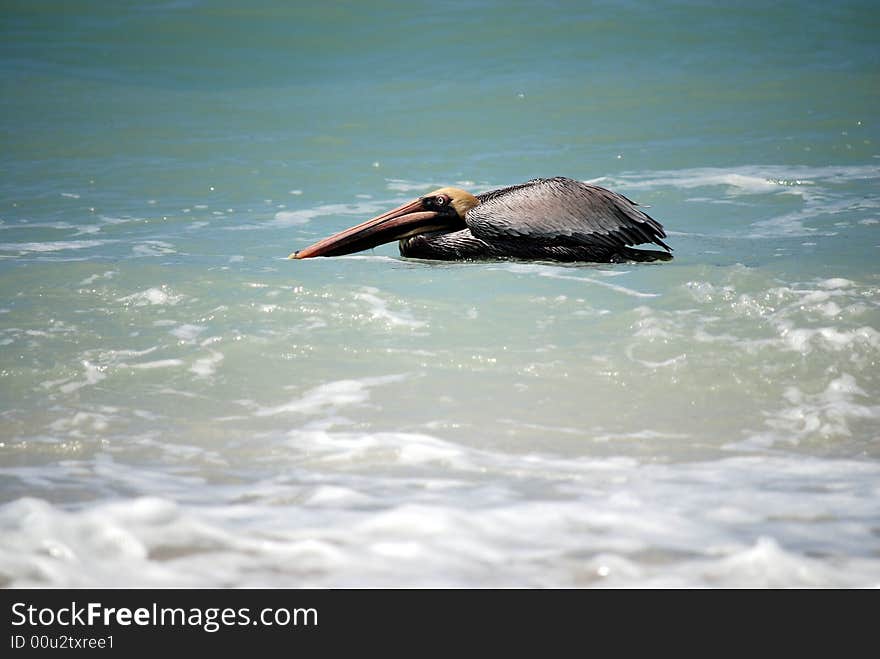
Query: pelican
[545, 219]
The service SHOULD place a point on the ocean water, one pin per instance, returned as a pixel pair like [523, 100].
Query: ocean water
[180, 405]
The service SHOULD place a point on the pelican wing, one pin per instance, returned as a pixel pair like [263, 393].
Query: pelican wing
[562, 212]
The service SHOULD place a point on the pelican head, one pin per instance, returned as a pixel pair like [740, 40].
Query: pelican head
[439, 211]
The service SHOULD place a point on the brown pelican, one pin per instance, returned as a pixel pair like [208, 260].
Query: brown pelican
[555, 219]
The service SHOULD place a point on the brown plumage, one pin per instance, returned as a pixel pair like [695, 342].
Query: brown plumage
[555, 219]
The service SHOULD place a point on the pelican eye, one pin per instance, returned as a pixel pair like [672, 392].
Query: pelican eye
[440, 200]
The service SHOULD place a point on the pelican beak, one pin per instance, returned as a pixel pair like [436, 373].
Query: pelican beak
[401, 222]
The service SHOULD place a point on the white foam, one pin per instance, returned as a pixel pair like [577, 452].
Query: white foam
[330, 396]
[187, 332]
[306, 215]
[677, 360]
[378, 310]
[51, 246]
[614, 522]
[827, 415]
[159, 363]
[767, 565]
[162, 295]
[88, 229]
[153, 248]
[799, 316]
[558, 272]
[334, 495]
[207, 366]
[387, 448]
[107, 274]
[744, 179]
[77, 549]
[21, 224]
[836, 282]
[652, 435]
[811, 184]
[82, 423]
[793, 224]
[804, 340]
[401, 185]
[93, 374]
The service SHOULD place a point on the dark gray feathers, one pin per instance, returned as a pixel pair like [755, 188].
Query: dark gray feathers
[562, 211]
[555, 219]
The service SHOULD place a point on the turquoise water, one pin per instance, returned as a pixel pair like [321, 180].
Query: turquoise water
[182, 405]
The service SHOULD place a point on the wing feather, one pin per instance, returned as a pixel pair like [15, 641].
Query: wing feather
[563, 212]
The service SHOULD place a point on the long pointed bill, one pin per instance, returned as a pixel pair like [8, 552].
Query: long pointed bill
[406, 220]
